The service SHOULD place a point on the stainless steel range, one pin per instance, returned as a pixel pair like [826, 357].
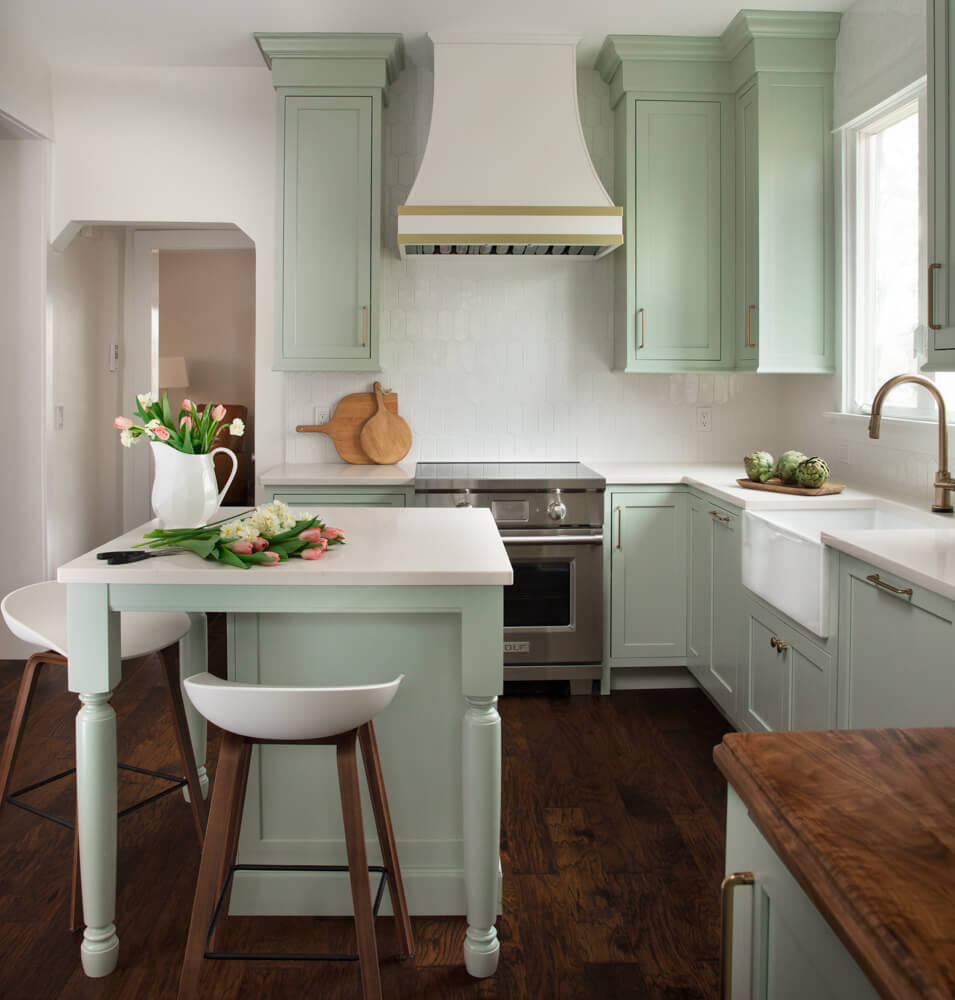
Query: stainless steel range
[550, 515]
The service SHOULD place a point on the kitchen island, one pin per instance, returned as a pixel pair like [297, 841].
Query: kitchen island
[412, 591]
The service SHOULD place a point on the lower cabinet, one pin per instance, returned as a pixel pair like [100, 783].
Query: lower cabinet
[714, 611]
[789, 680]
[342, 496]
[781, 947]
[895, 651]
[647, 540]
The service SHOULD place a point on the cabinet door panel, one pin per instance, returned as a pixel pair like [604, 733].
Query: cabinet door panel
[327, 228]
[700, 592]
[811, 701]
[896, 654]
[767, 676]
[648, 576]
[747, 227]
[678, 202]
[727, 619]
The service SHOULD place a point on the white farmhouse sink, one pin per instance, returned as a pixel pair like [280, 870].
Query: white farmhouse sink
[786, 563]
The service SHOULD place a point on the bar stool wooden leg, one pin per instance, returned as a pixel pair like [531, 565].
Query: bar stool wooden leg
[170, 670]
[229, 780]
[358, 866]
[20, 709]
[232, 839]
[386, 838]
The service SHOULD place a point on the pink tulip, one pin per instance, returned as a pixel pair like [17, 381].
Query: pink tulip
[311, 535]
[162, 433]
[187, 404]
[322, 544]
[241, 548]
[123, 423]
[271, 559]
[313, 553]
[219, 412]
[260, 544]
[332, 533]
[186, 422]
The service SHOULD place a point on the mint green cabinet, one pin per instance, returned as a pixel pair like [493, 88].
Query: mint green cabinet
[674, 261]
[782, 947]
[785, 305]
[331, 90]
[342, 496]
[784, 317]
[896, 643]
[789, 680]
[647, 537]
[714, 609]
[941, 205]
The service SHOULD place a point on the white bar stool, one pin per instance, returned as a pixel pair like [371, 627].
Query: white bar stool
[249, 714]
[37, 615]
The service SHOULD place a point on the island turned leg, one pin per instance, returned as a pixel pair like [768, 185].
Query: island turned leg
[96, 804]
[193, 659]
[481, 780]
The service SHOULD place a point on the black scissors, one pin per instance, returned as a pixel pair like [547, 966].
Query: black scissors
[132, 555]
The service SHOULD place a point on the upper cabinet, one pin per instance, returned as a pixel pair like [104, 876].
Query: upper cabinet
[724, 167]
[941, 225]
[331, 90]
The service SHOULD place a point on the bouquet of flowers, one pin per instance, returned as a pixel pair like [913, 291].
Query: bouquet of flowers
[266, 536]
[190, 431]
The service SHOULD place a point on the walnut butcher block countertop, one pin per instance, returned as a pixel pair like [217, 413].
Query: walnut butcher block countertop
[865, 821]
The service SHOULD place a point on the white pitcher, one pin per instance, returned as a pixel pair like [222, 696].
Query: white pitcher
[185, 493]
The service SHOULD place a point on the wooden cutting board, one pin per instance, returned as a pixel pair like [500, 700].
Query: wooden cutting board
[347, 421]
[385, 438]
[776, 486]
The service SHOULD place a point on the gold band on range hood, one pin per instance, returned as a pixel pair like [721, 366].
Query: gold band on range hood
[577, 245]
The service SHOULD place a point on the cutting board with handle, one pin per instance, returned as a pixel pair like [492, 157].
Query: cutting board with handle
[385, 438]
[347, 421]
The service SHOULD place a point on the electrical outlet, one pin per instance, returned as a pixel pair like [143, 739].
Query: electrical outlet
[704, 418]
[321, 414]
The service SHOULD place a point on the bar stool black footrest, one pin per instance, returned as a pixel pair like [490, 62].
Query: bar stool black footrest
[14, 797]
[287, 956]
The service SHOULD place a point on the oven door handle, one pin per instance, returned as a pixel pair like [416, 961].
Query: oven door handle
[553, 539]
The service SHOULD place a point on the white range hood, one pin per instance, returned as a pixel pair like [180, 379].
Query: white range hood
[506, 169]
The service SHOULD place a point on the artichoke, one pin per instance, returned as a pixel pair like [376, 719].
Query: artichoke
[812, 473]
[786, 466]
[759, 466]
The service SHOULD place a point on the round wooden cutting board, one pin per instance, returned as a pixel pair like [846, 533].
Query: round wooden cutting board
[385, 438]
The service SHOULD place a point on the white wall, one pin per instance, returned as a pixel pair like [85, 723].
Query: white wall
[177, 146]
[23, 184]
[85, 293]
[880, 50]
[497, 359]
[24, 86]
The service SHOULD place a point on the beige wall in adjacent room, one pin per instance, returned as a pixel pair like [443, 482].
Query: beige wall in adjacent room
[207, 316]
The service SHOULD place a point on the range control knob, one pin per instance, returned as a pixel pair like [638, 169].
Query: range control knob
[557, 510]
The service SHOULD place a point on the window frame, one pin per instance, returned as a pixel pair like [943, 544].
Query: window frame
[853, 134]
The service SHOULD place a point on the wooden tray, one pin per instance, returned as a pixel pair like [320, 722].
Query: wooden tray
[776, 486]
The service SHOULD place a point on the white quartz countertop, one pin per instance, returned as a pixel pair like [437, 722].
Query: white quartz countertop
[339, 474]
[385, 546]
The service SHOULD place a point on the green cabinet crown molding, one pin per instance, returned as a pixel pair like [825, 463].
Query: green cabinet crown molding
[759, 25]
[333, 60]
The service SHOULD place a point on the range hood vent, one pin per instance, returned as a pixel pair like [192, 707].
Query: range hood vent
[506, 170]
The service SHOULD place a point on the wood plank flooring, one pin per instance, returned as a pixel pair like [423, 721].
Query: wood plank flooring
[612, 850]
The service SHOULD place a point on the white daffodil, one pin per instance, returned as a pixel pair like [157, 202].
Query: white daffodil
[237, 428]
[126, 439]
[146, 399]
[239, 531]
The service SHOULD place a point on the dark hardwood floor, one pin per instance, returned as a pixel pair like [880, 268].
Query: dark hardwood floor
[612, 850]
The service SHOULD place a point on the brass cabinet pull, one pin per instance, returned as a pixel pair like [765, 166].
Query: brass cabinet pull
[932, 325]
[778, 644]
[879, 582]
[726, 933]
[643, 329]
[719, 517]
[619, 528]
[749, 313]
[364, 326]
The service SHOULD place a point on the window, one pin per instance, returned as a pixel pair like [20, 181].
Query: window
[885, 255]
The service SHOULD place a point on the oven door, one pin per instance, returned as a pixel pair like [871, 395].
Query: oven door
[553, 610]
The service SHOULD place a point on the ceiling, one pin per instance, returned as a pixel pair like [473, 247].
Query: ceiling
[219, 32]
